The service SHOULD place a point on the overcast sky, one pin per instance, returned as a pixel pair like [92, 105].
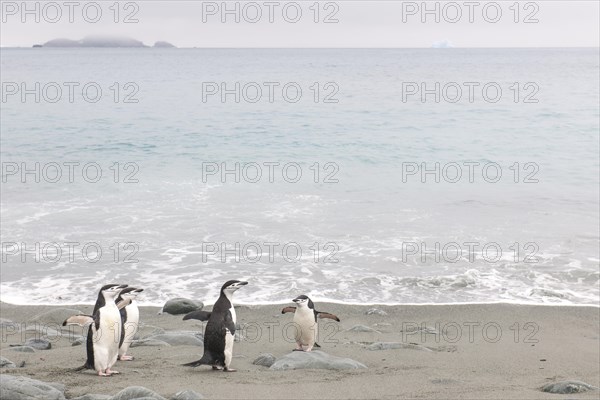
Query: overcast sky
[359, 23]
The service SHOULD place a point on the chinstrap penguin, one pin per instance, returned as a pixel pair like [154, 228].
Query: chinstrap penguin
[130, 318]
[305, 318]
[220, 329]
[104, 332]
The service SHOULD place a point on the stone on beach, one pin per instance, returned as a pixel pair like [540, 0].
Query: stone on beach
[567, 387]
[23, 388]
[180, 305]
[39, 344]
[314, 360]
[93, 397]
[6, 363]
[5, 323]
[56, 316]
[395, 345]
[149, 342]
[180, 338]
[78, 341]
[136, 393]
[187, 395]
[264, 359]
[361, 328]
[145, 331]
[375, 311]
[23, 349]
[43, 330]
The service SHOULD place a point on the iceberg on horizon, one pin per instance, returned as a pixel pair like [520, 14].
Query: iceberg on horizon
[102, 41]
[442, 44]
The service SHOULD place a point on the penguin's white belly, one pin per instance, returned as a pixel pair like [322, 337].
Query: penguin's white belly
[229, 339]
[233, 316]
[131, 327]
[107, 338]
[306, 327]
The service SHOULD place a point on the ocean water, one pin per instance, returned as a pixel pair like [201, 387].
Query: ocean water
[367, 228]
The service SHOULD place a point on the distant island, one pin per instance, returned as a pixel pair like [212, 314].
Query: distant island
[102, 41]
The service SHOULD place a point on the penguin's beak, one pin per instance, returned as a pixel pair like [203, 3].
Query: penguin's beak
[296, 300]
[242, 283]
[122, 286]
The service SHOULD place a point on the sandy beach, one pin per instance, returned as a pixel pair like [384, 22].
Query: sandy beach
[495, 351]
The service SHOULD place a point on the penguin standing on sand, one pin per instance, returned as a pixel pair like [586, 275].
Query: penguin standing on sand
[104, 333]
[220, 329]
[130, 318]
[305, 317]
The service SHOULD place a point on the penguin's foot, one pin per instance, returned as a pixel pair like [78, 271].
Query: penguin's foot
[308, 349]
[229, 370]
[101, 373]
[216, 368]
[126, 358]
[108, 371]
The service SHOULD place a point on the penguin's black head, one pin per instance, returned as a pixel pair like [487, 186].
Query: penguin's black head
[304, 301]
[129, 293]
[231, 286]
[112, 287]
[112, 290]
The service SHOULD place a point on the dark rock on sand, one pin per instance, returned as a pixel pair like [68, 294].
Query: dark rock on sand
[187, 395]
[6, 363]
[23, 349]
[567, 387]
[145, 331]
[180, 338]
[56, 316]
[396, 345]
[180, 305]
[419, 329]
[58, 386]
[5, 323]
[93, 397]
[375, 311]
[149, 342]
[314, 360]
[22, 388]
[443, 381]
[78, 341]
[265, 359]
[361, 328]
[39, 344]
[137, 393]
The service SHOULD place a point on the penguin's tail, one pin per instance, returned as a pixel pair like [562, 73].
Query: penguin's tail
[205, 360]
[84, 366]
[193, 363]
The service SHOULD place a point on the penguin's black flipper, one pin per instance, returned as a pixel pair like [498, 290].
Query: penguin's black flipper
[80, 319]
[322, 314]
[123, 312]
[229, 324]
[288, 309]
[200, 315]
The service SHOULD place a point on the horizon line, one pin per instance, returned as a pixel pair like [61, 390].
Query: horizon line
[302, 47]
